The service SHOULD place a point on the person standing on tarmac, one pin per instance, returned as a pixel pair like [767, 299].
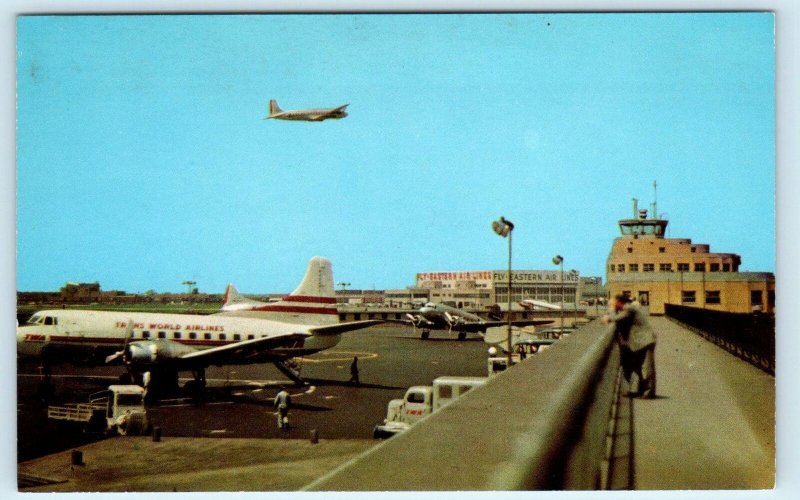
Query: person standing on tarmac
[354, 371]
[281, 403]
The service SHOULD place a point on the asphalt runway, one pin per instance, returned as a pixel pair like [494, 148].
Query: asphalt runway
[239, 399]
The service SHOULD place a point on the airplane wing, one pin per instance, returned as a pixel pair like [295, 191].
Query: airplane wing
[481, 327]
[239, 351]
[345, 327]
[321, 116]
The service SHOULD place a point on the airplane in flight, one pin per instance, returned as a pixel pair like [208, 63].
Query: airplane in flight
[435, 316]
[307, 115]
[301, 323]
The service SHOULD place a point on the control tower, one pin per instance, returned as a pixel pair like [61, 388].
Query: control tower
[657, 270]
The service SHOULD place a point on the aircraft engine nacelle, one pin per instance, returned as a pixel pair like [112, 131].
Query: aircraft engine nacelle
[142, 353]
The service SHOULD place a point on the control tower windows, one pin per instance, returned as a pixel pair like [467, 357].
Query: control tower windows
[665, 267]
[688, 296]
[713, 268]
[726, 267]
[634, 268]
[648, 268]
[621, 268]
[611, 267]
[700, 267]
[683, 266]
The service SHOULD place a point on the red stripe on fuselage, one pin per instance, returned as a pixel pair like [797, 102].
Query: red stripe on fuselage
[299, 310]
[309, 299]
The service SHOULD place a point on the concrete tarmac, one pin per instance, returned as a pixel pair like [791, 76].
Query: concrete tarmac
[239, 411]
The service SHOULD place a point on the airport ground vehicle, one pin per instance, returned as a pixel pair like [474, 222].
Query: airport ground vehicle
[420, 401]
[522, 349]
[120, 410]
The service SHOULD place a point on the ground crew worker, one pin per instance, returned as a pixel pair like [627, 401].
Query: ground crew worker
[354, 371]
[282, 401]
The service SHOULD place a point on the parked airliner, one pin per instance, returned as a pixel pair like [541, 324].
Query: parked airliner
[436, 316]
[304, 322]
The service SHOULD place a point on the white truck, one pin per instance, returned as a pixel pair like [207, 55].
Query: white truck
[422, 400]
[120, 410]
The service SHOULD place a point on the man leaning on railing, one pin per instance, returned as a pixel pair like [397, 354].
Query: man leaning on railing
[637, 342]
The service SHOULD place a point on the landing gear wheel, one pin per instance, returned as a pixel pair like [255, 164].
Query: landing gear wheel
[425, 334]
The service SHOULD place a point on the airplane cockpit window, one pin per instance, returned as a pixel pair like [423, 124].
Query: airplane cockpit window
[49, 320]
[35, 319]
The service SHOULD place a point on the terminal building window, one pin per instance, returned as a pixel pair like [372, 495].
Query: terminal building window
[683, 266]
[713, 268]
[634, 268]
[611, 267]
[713, 297]
[621, 268]
[630, 249]
[700, 268]
[756, 298]
[688, 296]
[648, 268]
[665, 267]
[726, 267]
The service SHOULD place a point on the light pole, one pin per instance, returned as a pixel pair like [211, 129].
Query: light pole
[559, 260]
[504, 227]
[596, 295]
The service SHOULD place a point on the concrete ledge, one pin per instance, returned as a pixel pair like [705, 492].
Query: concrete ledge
[525, 429]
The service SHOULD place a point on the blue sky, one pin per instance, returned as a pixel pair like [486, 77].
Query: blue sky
[143, 159]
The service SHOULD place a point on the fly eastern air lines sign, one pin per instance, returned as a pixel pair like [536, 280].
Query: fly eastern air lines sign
[518, 277]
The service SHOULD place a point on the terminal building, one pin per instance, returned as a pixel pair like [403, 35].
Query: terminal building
[658, 270]
[482, 289]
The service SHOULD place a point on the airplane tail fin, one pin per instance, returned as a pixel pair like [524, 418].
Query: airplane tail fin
[274, 109]
[313, 302]
[318, 281]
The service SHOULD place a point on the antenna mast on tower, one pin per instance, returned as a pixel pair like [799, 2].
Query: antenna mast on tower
[655, 200]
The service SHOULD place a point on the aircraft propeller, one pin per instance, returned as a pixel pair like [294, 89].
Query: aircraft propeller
[124, 354]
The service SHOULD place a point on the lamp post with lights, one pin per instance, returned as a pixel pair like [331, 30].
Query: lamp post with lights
[504, 227]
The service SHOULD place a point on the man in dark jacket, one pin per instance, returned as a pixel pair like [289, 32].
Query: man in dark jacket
[637, 342]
